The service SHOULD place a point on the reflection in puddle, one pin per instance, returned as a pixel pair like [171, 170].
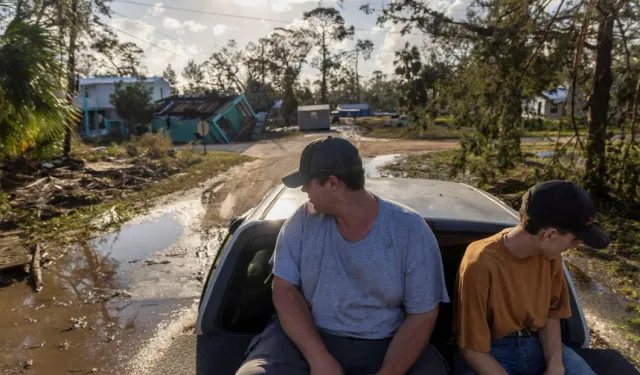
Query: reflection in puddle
[97, 306]
[134, 242]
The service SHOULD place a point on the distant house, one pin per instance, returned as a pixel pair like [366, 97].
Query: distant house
[314, 117]
[229, 118]
[550, 105]
[353, 110]
[100, 117]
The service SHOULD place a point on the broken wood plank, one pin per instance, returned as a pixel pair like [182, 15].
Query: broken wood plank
[36, 272]
[12, 254]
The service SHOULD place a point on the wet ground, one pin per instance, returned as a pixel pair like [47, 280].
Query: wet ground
[104, 301]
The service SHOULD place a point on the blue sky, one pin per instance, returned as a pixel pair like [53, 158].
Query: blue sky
[195, 35]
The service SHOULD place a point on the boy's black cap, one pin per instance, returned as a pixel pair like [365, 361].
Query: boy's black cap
[567, 206]
[325, 157]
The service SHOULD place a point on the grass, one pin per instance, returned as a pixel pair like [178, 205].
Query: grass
[409, 132]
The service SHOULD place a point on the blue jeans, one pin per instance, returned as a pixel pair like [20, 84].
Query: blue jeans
[523, 355]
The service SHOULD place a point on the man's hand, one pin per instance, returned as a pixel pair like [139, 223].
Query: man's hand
[325, 365]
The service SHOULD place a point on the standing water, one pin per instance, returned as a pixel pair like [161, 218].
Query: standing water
[104, 300]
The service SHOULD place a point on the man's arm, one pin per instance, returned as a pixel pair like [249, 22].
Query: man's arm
[482, 363]
[297, 322]
[409, 342]
[551, 341]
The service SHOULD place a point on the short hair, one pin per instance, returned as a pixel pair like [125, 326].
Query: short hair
[354, 180]
[531, 224]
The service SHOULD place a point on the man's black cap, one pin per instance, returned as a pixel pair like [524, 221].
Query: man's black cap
[325, 157]
[566, 206]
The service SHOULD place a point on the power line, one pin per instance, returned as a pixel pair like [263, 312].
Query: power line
[146, 41]
[198, 11]
[154, 30]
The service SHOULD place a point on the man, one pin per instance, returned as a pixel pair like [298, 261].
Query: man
[511, 291]
[357, 279]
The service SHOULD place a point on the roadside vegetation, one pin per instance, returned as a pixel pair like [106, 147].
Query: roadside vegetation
[56, 201]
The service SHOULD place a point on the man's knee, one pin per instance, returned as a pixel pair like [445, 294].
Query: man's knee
[430, 362]
[574, 364]
[262, 366]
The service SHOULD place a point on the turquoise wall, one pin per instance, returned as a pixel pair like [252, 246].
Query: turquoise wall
[235, 117]
[183, 130]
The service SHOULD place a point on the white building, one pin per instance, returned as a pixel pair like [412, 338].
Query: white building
[94, 99]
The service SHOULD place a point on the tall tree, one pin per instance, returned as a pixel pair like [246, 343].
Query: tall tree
[596, 167]
[170, 75]
[288, 51]
[194, 78]
[222, 69]
[80, 32]
[364, 48]
[408, 67]
[327, 27]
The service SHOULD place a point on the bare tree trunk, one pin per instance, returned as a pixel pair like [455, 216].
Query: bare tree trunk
[596, 168]
[71, 71]
[325, 69]
[357, 78]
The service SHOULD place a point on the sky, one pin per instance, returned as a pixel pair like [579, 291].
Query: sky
[175, 36]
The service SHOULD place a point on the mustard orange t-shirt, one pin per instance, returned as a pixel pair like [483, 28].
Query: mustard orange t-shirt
[497, 293]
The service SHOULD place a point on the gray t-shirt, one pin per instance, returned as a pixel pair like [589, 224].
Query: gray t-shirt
[362, 289]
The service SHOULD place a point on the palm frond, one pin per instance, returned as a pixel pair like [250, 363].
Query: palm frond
[33, 103]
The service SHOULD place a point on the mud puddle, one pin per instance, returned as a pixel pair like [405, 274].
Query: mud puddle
[105, 302]
[356, 133]
[373, 167]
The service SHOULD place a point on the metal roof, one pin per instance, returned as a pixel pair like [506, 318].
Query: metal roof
[318, 107]
[558, 95]
[194, 105]
[441, 201]
[113, 80]
[352, 106]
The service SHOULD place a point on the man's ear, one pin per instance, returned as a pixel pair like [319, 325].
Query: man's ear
[333, 180]
[548, 234]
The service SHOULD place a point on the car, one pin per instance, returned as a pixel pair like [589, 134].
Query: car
[396, 121]
[236, 299]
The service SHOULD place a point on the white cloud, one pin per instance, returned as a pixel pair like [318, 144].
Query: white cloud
[171, 23]
[193, 26]
[157, 9]
[139, 29]
[280, 6]
[219, 29]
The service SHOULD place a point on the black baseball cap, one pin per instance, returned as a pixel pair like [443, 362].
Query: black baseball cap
[566, 206]
[325, 157]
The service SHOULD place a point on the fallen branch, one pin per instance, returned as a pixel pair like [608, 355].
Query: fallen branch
[36, 272]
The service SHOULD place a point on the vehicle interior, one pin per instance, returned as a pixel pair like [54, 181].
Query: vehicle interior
[245, 306]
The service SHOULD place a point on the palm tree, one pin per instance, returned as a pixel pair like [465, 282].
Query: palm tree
[34, 109]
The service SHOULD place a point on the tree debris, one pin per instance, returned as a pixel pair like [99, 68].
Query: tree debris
[79, 323]
[27, 364]
[35, 346]
[150, 262]
[36, 272]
